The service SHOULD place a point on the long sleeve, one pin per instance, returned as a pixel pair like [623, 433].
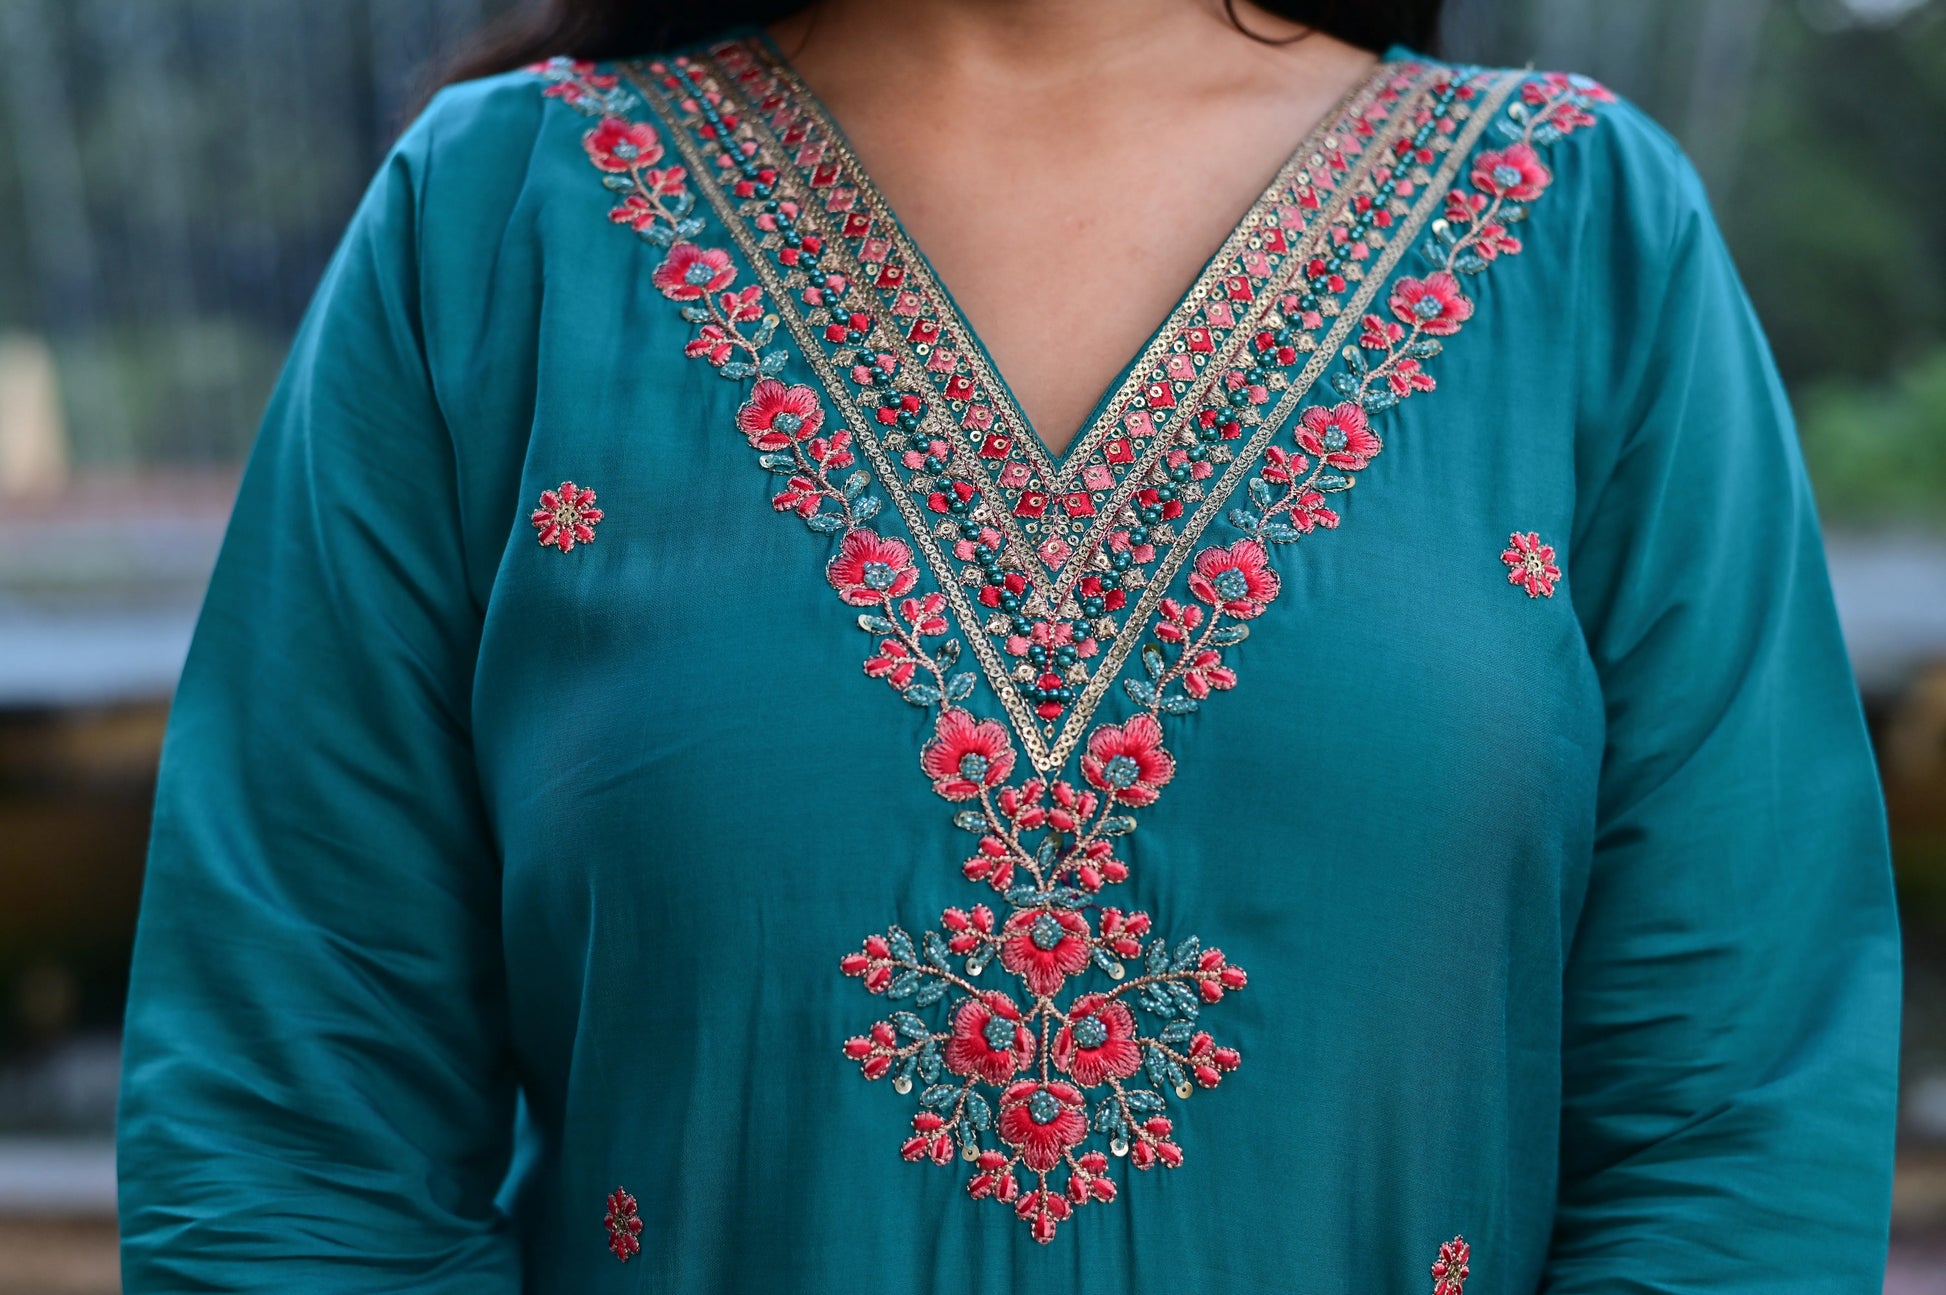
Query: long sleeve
[317, 1093]
[1732, 980]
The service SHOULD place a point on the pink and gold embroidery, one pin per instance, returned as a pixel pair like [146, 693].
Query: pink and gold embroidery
[1531, 564]
[567, 516]
[1052, 568]
[1012, 1078]
[624, 1225]
[1450, 1269]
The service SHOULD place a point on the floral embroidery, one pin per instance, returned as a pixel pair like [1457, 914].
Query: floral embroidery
[1047, 845]
[966, 756]
[1386, 366]
[1449, 1270]
[1339, 435]
[1052, 551]
[624, 1227]
[1237, 580]
[1514, 172]
[1531, 564]
[1434, 305]
[618, 146]
[868, 569]
[567, 516]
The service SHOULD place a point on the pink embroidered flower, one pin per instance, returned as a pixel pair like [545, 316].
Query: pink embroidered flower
[1043, 1121]
[966, 755]
[775, 415]
[1309, 513]
[868, 569]
[689, 272]
[989, 1039]
[1531, 564]
[1045, 947]
[1514, 172]
[618, 145]
[1558, 84]
[1450, 1269]
[1237, 580]
[1127, 761]
[1205, 672]
[743, 305]
[1340, 436]
[1098, 1042]
[567, 516]
[624, 1227]
[1435, 303]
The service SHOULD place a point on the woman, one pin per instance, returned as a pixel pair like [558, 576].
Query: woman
[542, 897]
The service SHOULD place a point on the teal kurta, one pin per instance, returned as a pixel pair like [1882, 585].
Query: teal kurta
[676, 789]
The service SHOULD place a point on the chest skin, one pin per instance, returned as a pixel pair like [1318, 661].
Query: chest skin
[1068, 214]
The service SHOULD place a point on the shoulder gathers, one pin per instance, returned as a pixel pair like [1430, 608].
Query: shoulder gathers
[1626, 168]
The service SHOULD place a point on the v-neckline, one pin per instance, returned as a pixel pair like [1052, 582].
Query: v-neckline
[1108, 405]
[1053, 567]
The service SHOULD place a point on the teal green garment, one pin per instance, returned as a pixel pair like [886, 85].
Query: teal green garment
[490, 877]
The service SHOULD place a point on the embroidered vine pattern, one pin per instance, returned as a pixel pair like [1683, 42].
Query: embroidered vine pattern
[1042, 1078]
[732, 331]
[1385, 366]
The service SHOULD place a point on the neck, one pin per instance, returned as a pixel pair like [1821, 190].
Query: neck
[1032, 46]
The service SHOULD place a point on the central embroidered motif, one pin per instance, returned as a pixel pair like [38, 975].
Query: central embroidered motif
[1039, 1081]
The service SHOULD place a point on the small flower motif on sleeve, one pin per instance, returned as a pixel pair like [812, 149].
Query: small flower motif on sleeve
[624, 1226]
[566, 517]
[1449, 1270]
[1530, 564]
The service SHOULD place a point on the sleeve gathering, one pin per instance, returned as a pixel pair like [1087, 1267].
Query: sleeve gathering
[317, 1086]
[1732, 979]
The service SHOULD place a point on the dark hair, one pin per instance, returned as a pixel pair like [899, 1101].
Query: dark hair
[608, 29]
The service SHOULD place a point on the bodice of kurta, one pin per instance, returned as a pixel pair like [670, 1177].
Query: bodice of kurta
[677, 788]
